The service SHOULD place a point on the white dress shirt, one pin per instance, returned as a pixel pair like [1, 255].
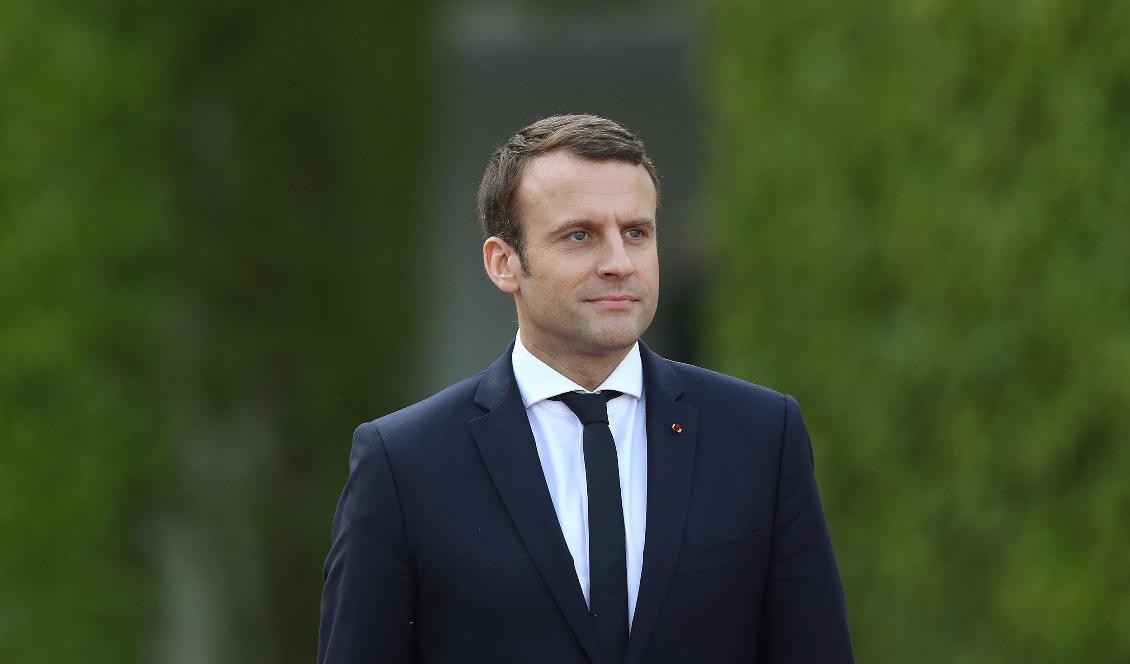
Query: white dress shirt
[558, 433]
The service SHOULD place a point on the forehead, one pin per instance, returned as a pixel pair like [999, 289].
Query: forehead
[561, 184]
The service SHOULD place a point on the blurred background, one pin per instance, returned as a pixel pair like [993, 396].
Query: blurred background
[232, 231]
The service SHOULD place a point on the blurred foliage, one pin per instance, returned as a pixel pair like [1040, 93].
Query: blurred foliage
[82, 235]
[299, 179]
[210, 231]
[921, 220]
[209, 253]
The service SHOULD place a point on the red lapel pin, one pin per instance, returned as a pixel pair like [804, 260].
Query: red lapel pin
[677, 428]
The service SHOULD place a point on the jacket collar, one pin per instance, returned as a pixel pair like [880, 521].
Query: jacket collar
[506, 444]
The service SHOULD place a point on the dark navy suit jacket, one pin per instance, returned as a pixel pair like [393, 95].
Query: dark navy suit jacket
[446, 547]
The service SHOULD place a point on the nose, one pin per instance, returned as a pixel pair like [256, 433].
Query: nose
[614, 260]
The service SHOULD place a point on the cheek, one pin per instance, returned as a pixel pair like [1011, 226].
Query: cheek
[651, 273]
[648, 261]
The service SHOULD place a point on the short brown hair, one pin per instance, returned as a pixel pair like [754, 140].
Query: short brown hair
[587, 136]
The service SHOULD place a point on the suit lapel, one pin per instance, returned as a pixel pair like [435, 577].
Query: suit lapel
[506, 444]
[670, 464]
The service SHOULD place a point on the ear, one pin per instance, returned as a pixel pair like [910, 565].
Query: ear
[501, 263]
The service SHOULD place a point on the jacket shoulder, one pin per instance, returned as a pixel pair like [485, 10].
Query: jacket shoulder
[445, 410]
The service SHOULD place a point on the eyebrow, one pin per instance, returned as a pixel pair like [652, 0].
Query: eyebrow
[585, 223]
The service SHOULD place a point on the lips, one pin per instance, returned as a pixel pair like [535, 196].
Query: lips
[613, 302]
[613, 298]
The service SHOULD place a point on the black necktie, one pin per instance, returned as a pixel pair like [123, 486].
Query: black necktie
[608, 569]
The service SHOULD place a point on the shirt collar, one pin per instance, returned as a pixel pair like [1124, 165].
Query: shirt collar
[538, 381]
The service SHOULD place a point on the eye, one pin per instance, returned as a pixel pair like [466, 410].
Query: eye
[579, 236]
[635, 233]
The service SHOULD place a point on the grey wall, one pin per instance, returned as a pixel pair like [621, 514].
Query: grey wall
[504, 68]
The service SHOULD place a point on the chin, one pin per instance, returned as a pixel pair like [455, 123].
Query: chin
[615, 340]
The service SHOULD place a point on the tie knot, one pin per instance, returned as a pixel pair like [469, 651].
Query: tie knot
[588, 408]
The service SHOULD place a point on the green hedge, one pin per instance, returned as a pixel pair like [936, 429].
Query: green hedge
[210, 222]
[83, 225]
[300, 182]
[920, 213]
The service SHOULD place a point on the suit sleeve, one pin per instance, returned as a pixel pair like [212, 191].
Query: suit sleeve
[368, 597]
[804, 619]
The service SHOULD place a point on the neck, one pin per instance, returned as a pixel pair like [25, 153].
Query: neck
[588, 370]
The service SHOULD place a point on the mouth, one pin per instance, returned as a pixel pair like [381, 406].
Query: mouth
[613, 302]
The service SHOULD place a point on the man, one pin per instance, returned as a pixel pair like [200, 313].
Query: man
[583, 499]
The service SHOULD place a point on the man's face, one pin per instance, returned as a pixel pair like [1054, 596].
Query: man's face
[591, 279]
